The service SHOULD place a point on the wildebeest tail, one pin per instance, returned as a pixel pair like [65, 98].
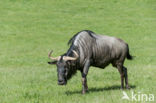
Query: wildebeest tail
[128, 55]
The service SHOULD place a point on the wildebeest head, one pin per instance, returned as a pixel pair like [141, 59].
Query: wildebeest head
[62, 66]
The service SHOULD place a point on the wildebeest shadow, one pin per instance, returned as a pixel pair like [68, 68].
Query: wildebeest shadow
[96, 89]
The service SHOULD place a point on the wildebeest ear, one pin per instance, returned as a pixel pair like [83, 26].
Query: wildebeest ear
[53, 62]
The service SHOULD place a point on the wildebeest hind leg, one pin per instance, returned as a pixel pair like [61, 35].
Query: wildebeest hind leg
[120, 69]
[126, 77]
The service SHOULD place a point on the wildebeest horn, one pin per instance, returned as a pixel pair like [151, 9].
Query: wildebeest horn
[71, 58]
[53, 58]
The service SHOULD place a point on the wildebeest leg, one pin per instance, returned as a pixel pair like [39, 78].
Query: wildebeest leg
[84, 84]
[120, 69]
[84, 73]
[126, 77]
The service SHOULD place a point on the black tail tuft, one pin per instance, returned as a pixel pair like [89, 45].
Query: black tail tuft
[129, 57]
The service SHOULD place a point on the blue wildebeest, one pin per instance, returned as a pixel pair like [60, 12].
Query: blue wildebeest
[89, 49]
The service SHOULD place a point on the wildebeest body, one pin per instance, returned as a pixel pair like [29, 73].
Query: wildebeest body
[92, 50]
[101, 50]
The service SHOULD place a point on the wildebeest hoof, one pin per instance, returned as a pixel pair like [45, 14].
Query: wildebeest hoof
[83, 92]
[86, 88]
[127, 87]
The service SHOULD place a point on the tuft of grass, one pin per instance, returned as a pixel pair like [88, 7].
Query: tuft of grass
[29, 29]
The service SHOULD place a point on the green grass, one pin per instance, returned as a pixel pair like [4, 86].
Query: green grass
[29, 29]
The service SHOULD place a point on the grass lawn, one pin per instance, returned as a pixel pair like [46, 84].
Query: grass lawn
[29, 29]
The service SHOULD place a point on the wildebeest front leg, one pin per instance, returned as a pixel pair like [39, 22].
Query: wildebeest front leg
[84, 84]
[84, 73]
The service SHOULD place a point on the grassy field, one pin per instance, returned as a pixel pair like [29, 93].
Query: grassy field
[29, 29]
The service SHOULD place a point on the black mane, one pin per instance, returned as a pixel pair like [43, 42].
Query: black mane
[74, 37]
[71, 42]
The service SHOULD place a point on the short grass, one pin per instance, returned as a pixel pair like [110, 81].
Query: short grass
[29, 29]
